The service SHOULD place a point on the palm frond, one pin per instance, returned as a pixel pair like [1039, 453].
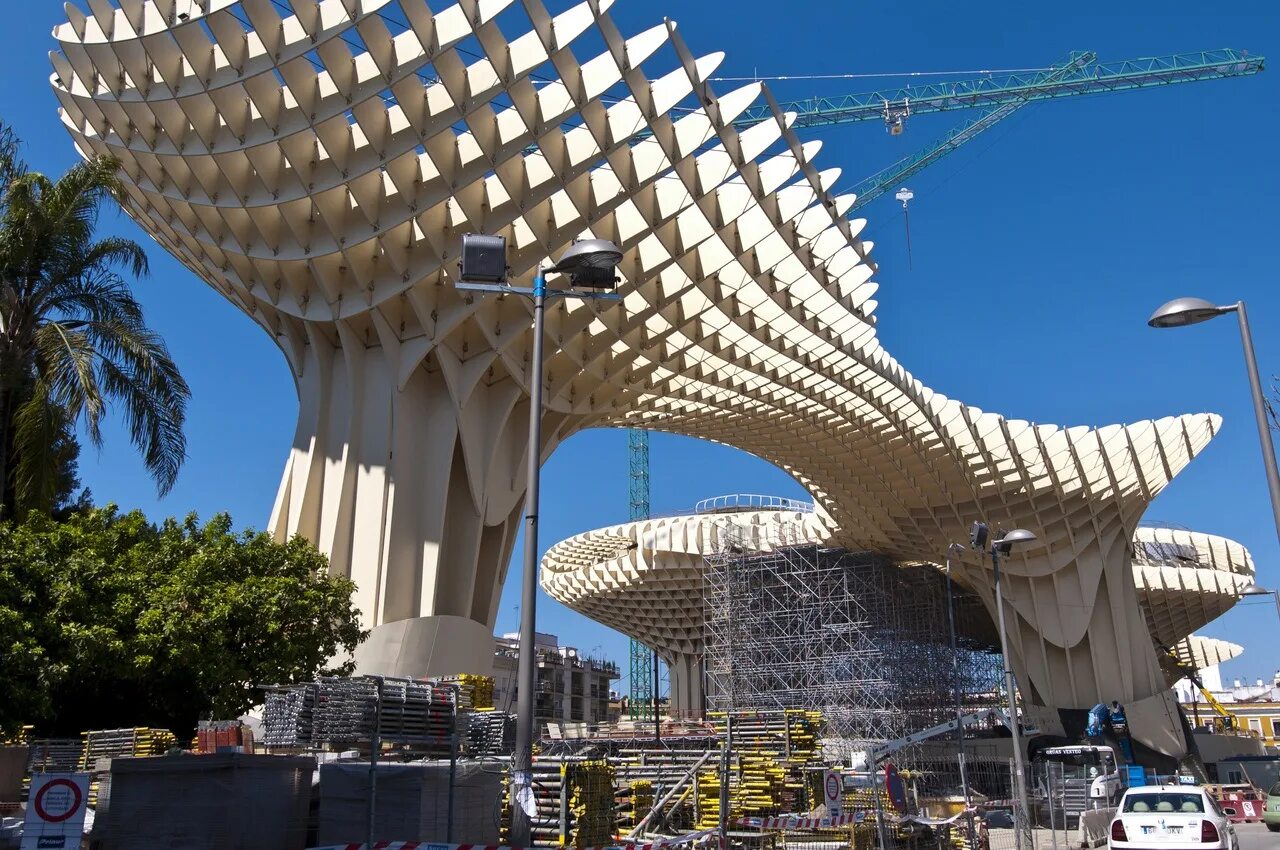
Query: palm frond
[11, 164]
[65, 360]
[100, 296]
[38, 428]
[155, 411]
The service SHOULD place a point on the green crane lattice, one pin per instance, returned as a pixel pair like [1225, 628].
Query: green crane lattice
[640, 706]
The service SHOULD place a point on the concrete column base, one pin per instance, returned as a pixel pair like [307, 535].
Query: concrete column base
[427, 646]
[687, 699]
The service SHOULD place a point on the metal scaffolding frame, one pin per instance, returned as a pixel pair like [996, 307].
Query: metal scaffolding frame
[849, 634]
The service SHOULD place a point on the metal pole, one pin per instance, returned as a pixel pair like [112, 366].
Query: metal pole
[1019, 769]
[657, 723]
[955, 674]
[374, 746]
[522, 758]
[1260, 411]
[725, 753]
[453, 763]
[881, 831]
[955, 677]
[1053, 823]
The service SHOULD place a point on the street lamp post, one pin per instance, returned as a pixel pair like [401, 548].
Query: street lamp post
[1003, 546]
[956, 549]
[588, 263]
[1253, 590]
[1190, 311]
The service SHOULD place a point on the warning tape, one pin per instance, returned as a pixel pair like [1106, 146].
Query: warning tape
[802, 821]
[786, 822]
[622, 844]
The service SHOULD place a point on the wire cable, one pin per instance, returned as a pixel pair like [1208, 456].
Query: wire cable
[885, 75]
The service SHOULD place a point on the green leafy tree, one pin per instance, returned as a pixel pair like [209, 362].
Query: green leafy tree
[72, 336]
[108, 620]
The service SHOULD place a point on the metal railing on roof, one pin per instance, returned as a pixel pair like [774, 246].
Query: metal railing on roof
[735, 502]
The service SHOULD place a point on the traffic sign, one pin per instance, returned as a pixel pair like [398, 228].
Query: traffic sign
[832, 792]
[896, 787]
[56, 812]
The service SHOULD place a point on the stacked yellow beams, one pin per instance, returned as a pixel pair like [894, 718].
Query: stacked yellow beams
[20, 739]
[771, 749]
[121, 743]
[591, 800]
[633, 802]
[474, 692]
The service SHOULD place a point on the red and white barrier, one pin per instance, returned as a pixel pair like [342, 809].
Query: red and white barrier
[1248, 809]
[622, 844]
[802, 821]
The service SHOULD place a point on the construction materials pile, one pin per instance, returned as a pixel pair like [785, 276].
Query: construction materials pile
[590, 803]
[287, 716]
[222, 735]
[418, 714]
[103, 745]
[124, 743]
[772, 749]
[491, 733]
[474, 692]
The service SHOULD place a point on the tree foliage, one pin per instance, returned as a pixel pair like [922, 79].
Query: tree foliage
[108, 620]
[72, 336]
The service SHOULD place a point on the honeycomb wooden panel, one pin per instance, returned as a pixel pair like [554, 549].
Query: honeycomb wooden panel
[315, 161]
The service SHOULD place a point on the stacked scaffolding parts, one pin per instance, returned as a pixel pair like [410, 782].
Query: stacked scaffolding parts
[847, 634]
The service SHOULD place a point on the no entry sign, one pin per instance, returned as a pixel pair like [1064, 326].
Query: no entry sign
[896, 788]
[832, 792]
[55, 811]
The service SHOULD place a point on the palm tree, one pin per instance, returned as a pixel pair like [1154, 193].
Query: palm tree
[72, 336]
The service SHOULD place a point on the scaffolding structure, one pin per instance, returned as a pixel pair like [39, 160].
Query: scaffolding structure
[849, 634]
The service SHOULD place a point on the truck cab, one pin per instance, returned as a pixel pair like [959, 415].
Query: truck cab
[1090, 776]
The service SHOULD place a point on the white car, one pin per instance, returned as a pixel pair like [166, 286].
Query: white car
[1170, 817]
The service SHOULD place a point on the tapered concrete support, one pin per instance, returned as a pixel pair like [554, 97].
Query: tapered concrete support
[427, 646]
[687, 697]
[414, 487]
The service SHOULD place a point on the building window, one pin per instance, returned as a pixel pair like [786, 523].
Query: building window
[1255, 723]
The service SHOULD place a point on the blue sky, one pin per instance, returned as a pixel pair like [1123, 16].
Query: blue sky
[1039, 251]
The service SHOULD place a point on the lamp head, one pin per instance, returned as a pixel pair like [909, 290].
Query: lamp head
[590, 263]
[1019, 535]
[1185, 311]
[1252, 589]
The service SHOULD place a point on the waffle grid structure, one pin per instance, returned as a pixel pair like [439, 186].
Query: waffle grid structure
[315, 161]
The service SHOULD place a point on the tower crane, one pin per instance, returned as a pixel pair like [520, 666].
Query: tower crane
[1000, 97]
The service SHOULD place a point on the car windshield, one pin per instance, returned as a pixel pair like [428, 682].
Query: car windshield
[1169, 802]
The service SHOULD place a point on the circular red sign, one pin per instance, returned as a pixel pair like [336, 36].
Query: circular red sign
[58, 783]
[896, 787]
[833, 787]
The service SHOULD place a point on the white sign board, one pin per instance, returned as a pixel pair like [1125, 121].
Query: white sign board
[832, 792]
[56, 809]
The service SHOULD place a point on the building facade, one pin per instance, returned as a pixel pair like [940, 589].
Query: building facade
[572, 688]
[1256, 706]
